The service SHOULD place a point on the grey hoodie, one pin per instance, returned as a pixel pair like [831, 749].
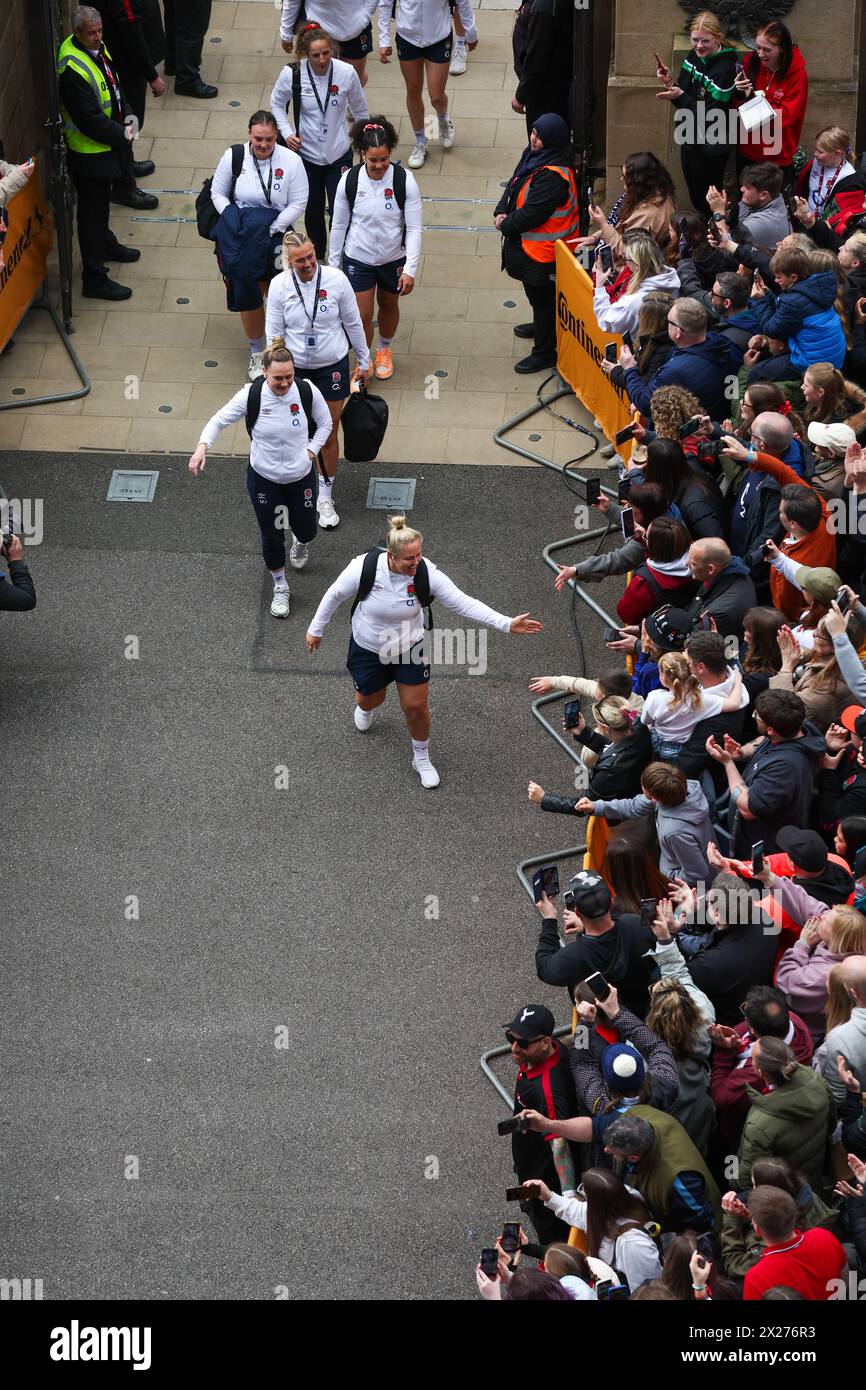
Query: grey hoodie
[684, 831]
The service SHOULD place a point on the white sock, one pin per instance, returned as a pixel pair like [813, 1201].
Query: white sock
[256, 344]
[421, 750]
[385, 342]
[420, 137]
[444, 118]
[325, 485]
[458, 42]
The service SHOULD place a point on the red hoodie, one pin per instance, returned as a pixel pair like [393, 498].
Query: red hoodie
[787, 95]
[649, 588]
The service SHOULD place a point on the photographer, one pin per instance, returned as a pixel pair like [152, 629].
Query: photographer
[17, 591]
[544, 1085]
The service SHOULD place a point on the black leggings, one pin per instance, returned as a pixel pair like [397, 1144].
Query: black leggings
[272, 502]
[703, 166]
[323, 179]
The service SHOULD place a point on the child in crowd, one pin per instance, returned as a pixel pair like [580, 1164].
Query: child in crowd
[672, 713]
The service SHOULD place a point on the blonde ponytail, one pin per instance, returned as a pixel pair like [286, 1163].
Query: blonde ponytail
[400, 535]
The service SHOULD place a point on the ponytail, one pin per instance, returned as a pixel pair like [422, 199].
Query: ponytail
[400, 535]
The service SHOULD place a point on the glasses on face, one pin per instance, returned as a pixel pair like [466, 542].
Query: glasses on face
[672, 323]
[714, 294]
[523, 1043]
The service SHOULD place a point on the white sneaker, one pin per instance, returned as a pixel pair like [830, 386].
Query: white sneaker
[446, 132]
[417, 157]
[280, 601]
[427, 772]
[298, 555]
[363, 718]
[255, 368]
[458, 62]
[327, 513]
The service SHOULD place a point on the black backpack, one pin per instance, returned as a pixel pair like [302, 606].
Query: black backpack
[206, 215]
[296, 98]
[254, 404]
[352, 192]
[422, 583]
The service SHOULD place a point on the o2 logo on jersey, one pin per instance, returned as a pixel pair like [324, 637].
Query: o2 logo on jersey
[295, 413]
[336, 378]
[410, 590]
[389, 194]
[278, 174]
[308, 497]
[323, 295]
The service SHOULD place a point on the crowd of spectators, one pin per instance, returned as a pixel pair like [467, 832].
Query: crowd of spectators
[695, 1128]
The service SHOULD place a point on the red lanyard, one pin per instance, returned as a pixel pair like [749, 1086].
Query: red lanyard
[820, 202]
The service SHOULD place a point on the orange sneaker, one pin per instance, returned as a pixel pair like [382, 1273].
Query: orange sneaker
[384, 364]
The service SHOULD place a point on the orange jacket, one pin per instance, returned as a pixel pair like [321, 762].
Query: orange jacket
[818, 548]
[564, 222]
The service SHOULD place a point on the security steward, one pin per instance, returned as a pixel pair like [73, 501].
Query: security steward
[134, 37]
[538, 208]
[99, 144]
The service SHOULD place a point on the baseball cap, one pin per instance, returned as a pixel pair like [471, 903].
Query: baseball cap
[849, 716]
[835, 437]
[623, 1069]
[535, 1021]
[805, 848]
[592, 897]
[669, 628]
[822, 583]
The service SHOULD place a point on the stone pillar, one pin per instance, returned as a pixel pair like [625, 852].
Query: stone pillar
[829, 35]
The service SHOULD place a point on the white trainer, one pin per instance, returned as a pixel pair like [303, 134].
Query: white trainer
[328, 517]
[458, 62]
[363, 718]
[280, 601]
[446, 132]
[427, 772]
[255, 369]
[417, 157]
[298, 555]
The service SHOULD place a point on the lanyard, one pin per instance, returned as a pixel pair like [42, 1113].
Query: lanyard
[266, 191]
[322, 105]
[819, 201]
[311, 317]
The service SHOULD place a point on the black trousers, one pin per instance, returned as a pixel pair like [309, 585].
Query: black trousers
[323, 179]
[703, 166]
[542, 296]
[93, 206]
[186, 23]
[134, 88]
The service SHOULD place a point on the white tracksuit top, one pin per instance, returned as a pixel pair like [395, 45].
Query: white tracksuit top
[345, 19]
[391, 603]
[337, 324]
[289, 185]
[344, 92]
[424, 22]
[280, 441]
[375, 233]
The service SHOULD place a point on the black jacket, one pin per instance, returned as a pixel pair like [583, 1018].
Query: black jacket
[660, 350]
[708, 82]
[727, 600]
[781, 779]
[617, 772]
[703, 508]
[78, 98]
[833, 886]
[130, 27]
[17, 593]
[761, 523]
[731, 961]
[841, 791]
[620, 955]
[543, 47]
[547, 192]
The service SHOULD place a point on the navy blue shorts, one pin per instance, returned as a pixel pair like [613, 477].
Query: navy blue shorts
[370, 674]
[358, 47]
[365, 277]
[434, 52]
[333, 381]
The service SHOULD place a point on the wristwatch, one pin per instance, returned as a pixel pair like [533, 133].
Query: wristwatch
[718, 217]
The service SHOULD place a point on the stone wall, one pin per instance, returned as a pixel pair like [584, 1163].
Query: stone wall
[829, 34]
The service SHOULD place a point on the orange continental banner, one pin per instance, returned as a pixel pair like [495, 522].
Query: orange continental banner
[580, 345]
[28, 242]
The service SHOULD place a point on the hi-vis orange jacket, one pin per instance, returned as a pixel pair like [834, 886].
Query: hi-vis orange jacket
[564, 223]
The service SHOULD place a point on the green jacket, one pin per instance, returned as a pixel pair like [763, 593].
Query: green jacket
[792, 1122]
[672, 1153]
[742, 1247]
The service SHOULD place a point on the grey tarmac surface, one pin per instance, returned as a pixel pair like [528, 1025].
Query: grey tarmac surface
[260, 909]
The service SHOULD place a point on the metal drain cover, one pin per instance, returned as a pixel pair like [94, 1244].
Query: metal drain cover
[385, 494]
[132, 485]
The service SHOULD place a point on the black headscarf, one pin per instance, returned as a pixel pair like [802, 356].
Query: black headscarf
[556, 148]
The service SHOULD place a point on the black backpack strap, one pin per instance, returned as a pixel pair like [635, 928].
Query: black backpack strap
[296, 97]
[351, 194]
[254, 404]
[305, 392]
[238, 152]
[422, 592]
[368, 574]
[400, 186]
